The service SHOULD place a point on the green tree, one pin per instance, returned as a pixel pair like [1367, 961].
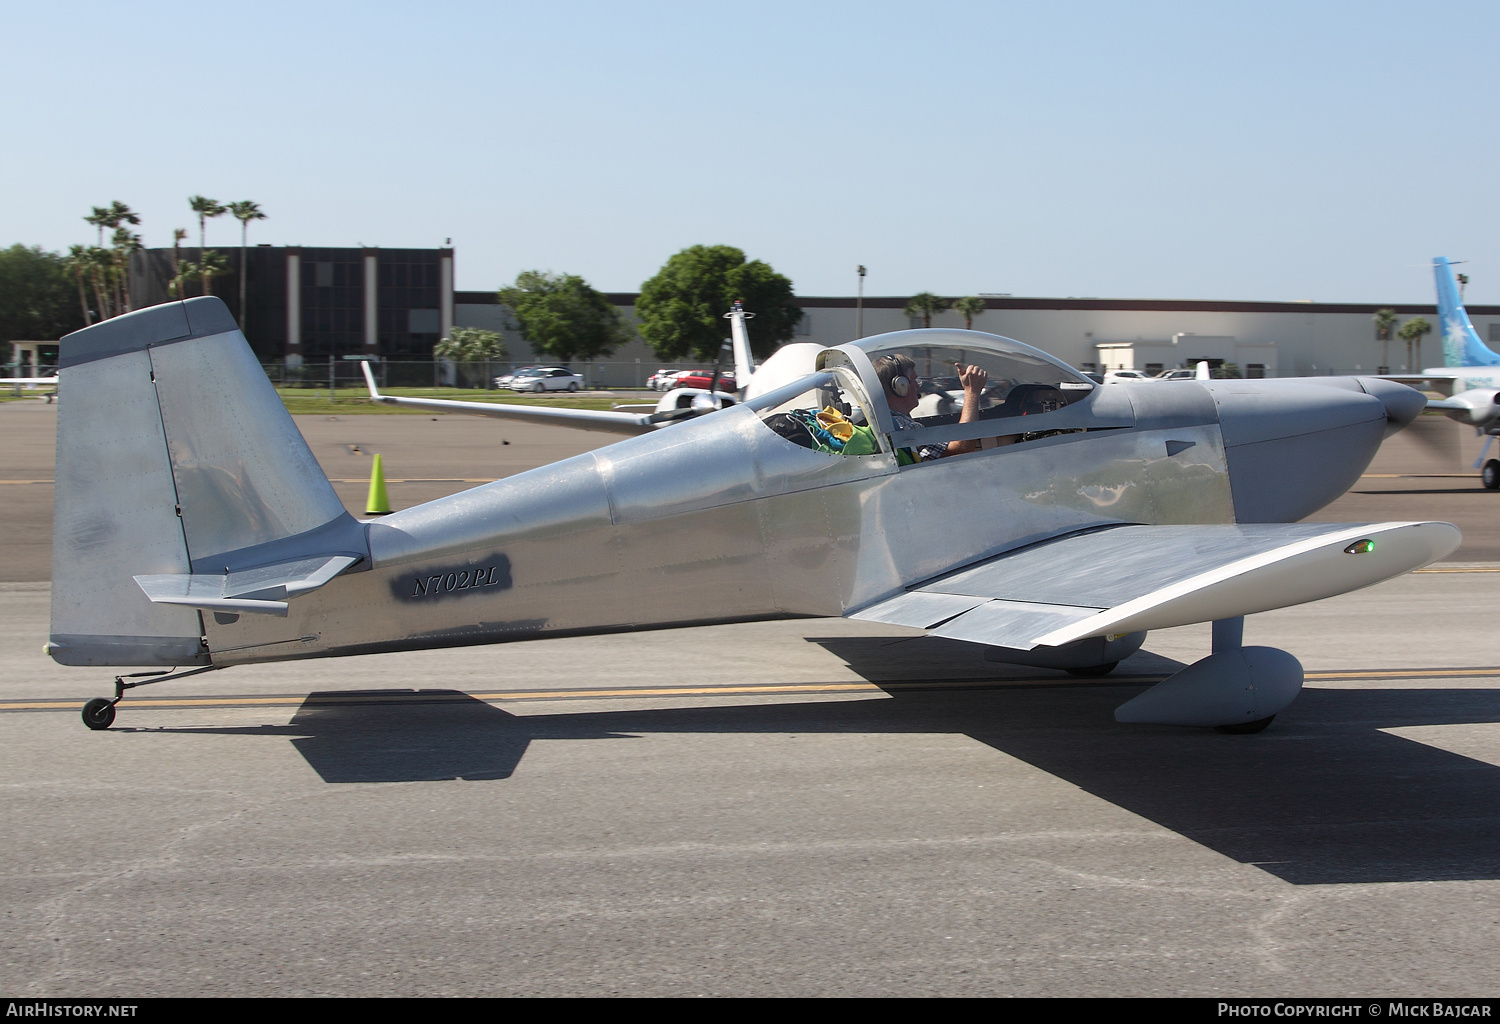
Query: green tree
[563, 317]
[472, 349]
[681, 310]
[77, 262]
[1412, 332]
[213, 264]
[244, 211]
[1385, 323]
[36, 296]
[124, 243]
[968, 308]
[926, 305]
[179, 235]
[205, 208]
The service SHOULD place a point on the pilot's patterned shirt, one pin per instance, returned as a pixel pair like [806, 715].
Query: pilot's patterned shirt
[925, 452]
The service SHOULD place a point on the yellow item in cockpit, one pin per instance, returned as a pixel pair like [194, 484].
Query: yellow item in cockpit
[831, 420]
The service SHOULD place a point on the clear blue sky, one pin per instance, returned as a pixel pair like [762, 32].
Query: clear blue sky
[1262, 150]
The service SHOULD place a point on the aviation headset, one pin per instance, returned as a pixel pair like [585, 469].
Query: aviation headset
[899, 383]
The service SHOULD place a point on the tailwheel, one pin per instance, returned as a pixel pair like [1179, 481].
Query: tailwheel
[99, 713]
[1246, 728]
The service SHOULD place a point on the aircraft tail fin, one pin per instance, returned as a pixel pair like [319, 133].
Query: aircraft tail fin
[744, 358]
[175, 458]
[1461, 344]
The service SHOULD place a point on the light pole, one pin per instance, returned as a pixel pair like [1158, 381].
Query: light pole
[859, 307]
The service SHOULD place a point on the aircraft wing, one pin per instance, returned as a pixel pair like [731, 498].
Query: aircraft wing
[1121, 579]
[582, 419]
[1443, 383]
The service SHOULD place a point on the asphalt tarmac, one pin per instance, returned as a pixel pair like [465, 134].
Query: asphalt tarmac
[816, 807]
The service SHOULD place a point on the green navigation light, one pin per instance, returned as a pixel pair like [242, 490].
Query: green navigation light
[1360, 547]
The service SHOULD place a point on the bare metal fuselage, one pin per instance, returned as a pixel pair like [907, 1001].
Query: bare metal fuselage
[722, 520]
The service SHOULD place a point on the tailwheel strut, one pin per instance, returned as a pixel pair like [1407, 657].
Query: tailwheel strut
[99, 713]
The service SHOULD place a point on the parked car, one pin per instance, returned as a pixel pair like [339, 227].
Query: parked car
[545, 378]
[1181, 373]
[1115, 376]
[662, 380]
[702, 379]
[503, 381]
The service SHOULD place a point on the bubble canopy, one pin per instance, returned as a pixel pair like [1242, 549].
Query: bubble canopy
[938, 354]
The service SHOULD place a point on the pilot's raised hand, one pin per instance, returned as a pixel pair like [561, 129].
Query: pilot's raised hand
[973, 378]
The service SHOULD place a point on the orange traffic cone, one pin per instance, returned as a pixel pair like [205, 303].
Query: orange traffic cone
[377, 504]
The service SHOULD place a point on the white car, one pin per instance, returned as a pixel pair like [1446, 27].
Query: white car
[665, 380]
[1182, 373]
[545, 378]
[1116, 376]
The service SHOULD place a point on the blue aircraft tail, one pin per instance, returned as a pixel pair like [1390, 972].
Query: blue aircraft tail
[1461, 344]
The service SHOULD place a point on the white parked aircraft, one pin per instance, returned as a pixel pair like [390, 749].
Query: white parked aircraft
[1469, 378]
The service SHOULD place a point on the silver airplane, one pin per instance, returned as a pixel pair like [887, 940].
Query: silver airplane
[195, 531]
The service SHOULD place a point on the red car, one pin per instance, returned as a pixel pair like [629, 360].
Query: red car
[702, 378]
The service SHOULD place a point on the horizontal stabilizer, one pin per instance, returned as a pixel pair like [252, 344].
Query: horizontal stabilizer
[1123, 579]
[263, 590]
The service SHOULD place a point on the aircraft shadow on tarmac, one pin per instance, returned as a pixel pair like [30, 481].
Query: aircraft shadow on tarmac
[1322, 797]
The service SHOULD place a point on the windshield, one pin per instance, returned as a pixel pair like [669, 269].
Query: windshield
[821, 412]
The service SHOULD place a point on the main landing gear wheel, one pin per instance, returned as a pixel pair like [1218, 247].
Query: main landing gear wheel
[1490, 474]
[1093, 671]
[99, 713]
[1246, 728]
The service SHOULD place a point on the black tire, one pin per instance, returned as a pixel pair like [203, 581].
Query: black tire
[538, 387]
[1246, 728]
[99, 713]
[1490, 474]
[1093, 671]
[573, 386]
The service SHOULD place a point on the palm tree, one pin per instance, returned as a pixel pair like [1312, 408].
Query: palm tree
[204, 208]
[211, 264]
[124, 244]
[77, 261]
[244, 211]
[969, 308]
[1410, 332]
[119, 214]
[179, 235]
[924, 305]
[1385, 323]
[99, 262]
[97, 218]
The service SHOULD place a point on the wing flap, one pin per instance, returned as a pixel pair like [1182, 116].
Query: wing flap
[1128, 578]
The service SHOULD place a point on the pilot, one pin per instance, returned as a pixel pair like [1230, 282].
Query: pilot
[898, 375]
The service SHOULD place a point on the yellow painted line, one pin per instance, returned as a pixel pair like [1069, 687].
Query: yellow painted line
[1396, 673]
[420, 697]
[429, 697]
